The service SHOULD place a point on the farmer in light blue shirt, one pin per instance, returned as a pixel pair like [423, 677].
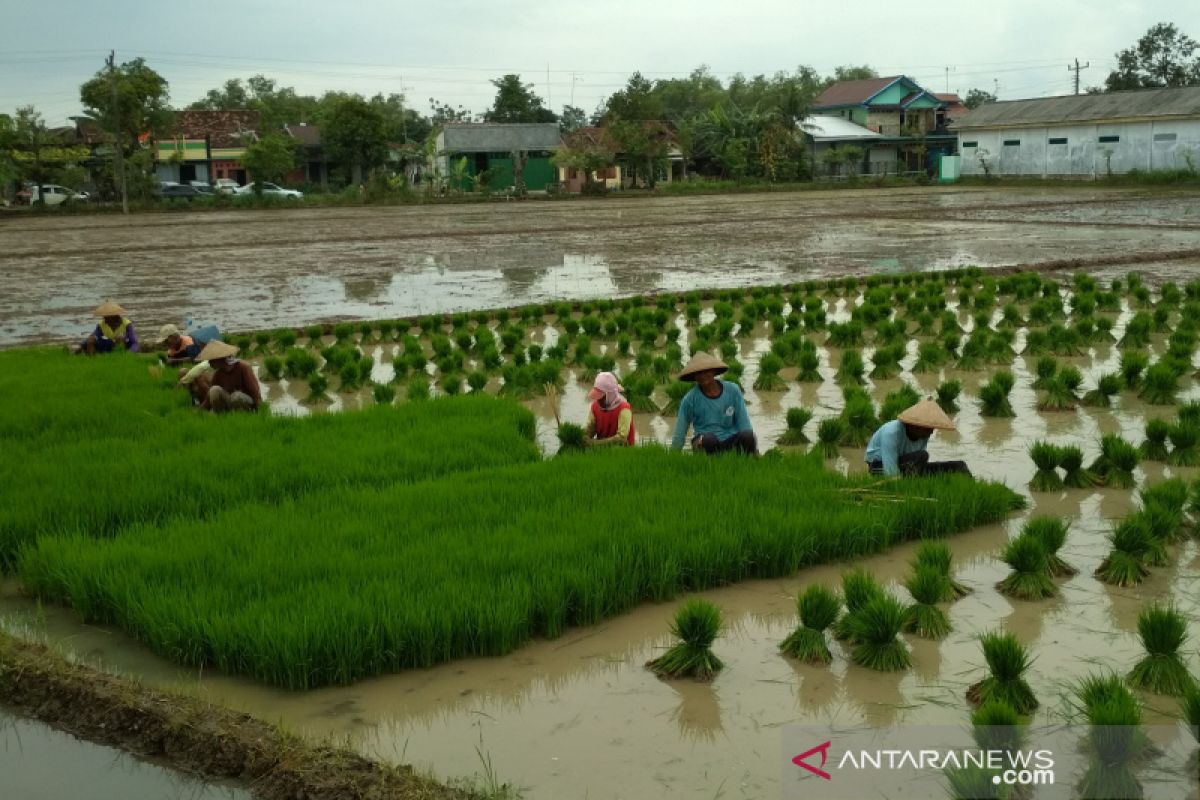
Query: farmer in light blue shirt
[898, 447]
[714, 409]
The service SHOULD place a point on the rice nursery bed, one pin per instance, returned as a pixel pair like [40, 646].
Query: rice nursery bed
[349, 583]
[93, 445]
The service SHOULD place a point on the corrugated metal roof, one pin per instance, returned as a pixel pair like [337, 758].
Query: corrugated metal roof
[852, 93]
[835, 129]
[496, 137]
[1149, 103]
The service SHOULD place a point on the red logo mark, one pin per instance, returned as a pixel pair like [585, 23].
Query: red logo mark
[823, 749]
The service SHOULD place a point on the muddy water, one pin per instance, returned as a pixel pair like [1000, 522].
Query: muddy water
[580, 716]
[40, 763]
[265, 269]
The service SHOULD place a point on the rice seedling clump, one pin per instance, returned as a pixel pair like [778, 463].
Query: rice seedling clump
[993, 396]
[1051, 533]
[1070, 458]
[697, 625]
[1155, 446]
[1046, 457]
[875, 630]
[1030, 576]
[1008, 661]
[928, 586]
[818, 609]
[797, 418]
[1163, 631]
[1125, 563]
[1115, 742]
[1116, 463]
[937, 555]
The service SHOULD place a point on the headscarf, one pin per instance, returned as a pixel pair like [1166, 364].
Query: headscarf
[607, 388]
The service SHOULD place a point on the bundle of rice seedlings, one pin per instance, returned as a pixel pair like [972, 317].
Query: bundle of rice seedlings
[1070, 458]
[299, 363]
[314, 334]
[570, 437]
[1114, 741]
[384, 393]
[996, 725]
[1190, 706]
[639, 392]
[928, 586]
[1189, 414]
[1118, 459]
[937, 555]
[697, 624]
[818, 609]
[477, 380]
[1125, 564]
[1137, 332]
[1051, 533]
[829, 433]
[1159, 385]
[1163, 630]
[809, 362]
[450, 384]
[859, 587]
[676, 391]
[852, 369]
[947, 395]
[1037, 343]
[1163, 506]
[874, 629]
[1030, 578]
[1184, 450]
[1046, 369]
[797, 418]
[418, 389]
[273, 366]
[886, 361]
[1155, 446]
[993, 396]
[1046, 457]
[1058, 396]
[860, 421]
[768, 373]
[317, 384]
[285, 338]
[343, 331]
[930, 356]
[896, 401]
[1131, 366]
[1007, 660]
[1163, 526]
[1106, 387]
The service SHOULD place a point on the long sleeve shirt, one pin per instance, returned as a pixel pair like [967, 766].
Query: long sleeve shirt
[722, 416]
[624, 421]
[889, 443]
[130, 341]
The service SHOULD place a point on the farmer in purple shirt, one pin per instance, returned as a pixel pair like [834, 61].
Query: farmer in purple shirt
[114, 331]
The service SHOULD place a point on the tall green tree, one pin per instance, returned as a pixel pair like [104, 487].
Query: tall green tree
[572, 119]
[1164, 56]
[403, 124]
[516, 102]
[355, 134]
[636, 102]
[31, 139]
[978, 97]
[276, 105]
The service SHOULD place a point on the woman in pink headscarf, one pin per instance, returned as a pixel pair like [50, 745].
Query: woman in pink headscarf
[610, 419]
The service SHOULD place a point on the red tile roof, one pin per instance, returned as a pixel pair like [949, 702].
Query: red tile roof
[852, 93]
[224, 128]
[954, 106]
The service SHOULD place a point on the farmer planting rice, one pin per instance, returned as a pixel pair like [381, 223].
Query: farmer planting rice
[114, 331]
[610, 417]
[221, 381]
[714, 409]
[899, 447]
[180, 347]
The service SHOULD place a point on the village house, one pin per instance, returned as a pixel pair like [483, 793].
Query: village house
[1084, 135]
[489, 147]
[206, 146]
[911, 121]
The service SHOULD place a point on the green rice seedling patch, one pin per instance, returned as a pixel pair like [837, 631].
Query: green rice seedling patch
[817, 608]
[353, 582]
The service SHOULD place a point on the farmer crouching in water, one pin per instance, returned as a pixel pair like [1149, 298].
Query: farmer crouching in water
[114, 332]
[610, 418]
[714, 409]
[221, 381]
[898, 447]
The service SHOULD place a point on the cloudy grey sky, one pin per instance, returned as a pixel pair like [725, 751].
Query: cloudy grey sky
[450, 49]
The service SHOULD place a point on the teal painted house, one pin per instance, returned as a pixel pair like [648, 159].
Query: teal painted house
[911, 121]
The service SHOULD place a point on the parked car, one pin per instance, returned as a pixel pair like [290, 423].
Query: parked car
[203, 186]
[52, 194]
[178, 191]
[226, 186]
[273, 190]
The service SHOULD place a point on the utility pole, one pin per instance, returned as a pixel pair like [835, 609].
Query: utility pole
[948, 71]
[116, 123]
[1076, 69]
[573, 80]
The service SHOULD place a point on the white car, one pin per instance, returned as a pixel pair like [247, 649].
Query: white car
[272, 189]
[53, 194]
[226, 186]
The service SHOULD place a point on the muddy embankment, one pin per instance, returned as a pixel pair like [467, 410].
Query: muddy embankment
[194, 736]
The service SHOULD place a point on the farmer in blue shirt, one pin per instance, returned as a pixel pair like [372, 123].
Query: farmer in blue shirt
[714, 409]
[898, 447]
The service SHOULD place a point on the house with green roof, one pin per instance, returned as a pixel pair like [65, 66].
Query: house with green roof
[910, 120]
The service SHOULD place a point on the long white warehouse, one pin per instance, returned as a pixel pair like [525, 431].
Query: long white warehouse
[1083, 135]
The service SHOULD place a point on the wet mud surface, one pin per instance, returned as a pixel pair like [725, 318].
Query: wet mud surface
[261, 269]
[580, 716]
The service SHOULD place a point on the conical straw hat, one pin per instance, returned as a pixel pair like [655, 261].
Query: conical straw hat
[926, 414]
[216, 349]
[701, 362]
[109, 308]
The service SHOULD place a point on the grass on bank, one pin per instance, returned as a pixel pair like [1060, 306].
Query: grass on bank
[350, 583]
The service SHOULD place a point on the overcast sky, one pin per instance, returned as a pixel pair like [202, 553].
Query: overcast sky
[450, 49]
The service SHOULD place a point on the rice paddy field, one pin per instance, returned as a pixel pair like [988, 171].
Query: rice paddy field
[411, 566]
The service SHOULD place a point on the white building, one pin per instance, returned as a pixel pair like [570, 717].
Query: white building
[1083, 135]
[827, 133]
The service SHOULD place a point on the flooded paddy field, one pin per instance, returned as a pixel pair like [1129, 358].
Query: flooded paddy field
[580, 716]
[255, 269]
